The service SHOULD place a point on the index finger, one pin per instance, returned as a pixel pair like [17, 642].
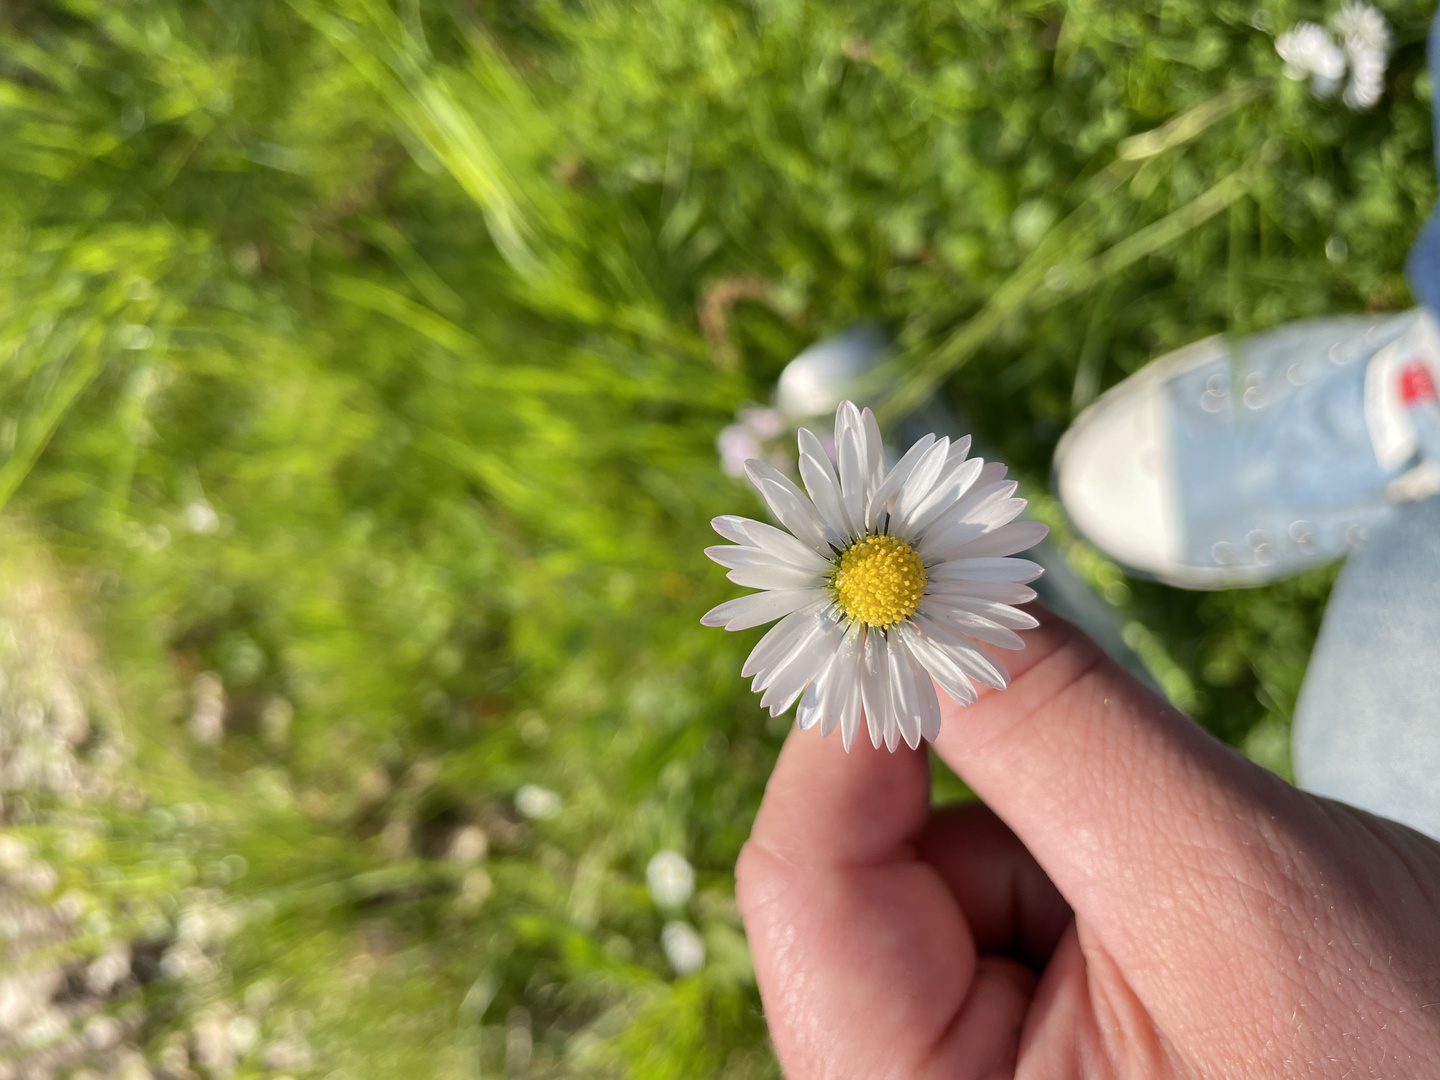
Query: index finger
[1139, 816]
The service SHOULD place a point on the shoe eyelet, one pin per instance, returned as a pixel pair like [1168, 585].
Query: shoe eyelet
[1337, 356]
[1262, 546]
[1217, 384]
[1356, 534]
[1302, 532]
[1295, 375]
[1212, 402]
[1254, 398]
[1223, 553]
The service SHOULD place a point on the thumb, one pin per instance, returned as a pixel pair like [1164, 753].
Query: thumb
[1133, 810]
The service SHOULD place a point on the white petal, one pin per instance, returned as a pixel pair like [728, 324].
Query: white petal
[882, 500]
[1006, 540]
[940, 542]
[782, 693]
[874, 451]
[992, 473]
[920, 483]
[976, 662]
[1000, 614]
[904, 696]
[987, 507]
[779, 659]
[808, 711]
[959, 450]
[971, 657]
[851, 708]
[781, 639]
[976, 626]
[925, 703]
[892, 723]
[811, 709]
[874, 688]
[942, 500]
[731, 527]
[995, 510]
[791, 679]
[1000, 592]
[775, 577]
[851, 454]
[746, 611]
[777, 542]
[942, 668]
[735, 555]
[846, 692]
[786, 547]
[981, 492]
[824, 489]
[961, 594]
[929, 706]
[732, 555]
[795, 511]
[953, 571]
[839, 679]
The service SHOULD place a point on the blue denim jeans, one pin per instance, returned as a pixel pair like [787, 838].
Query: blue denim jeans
[1367, 725]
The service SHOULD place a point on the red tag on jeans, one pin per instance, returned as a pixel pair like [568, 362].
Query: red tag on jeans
[1416, 386]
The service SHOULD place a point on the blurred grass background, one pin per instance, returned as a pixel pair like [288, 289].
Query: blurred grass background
[362, 365]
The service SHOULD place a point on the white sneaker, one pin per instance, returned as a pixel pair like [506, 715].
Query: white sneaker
[1219, 465]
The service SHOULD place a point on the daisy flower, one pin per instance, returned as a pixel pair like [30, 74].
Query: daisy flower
[1310, 52]
[1366, 37]
[1307, 50]
[881, 582]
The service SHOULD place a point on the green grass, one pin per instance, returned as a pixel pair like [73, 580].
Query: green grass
[399, 306]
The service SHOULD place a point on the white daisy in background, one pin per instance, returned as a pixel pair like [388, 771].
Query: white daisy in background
[1366, 37]
[670, 879]
[1311, 52]
[883, 582]
[538, 803]
[684, 947]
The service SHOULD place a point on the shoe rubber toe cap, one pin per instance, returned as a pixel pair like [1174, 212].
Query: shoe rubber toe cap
[1114, 477]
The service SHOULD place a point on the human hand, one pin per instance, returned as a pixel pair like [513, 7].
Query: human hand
[1224, 923]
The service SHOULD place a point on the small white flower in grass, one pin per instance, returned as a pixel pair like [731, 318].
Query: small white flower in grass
[468, 844]
[670, 879]
[242, 1033]
[107, 969]
[1363, 50]
[46, 1028]
[103, 1032]
[1362, 26]
[475, 889]
[15, 853]
[288, 1052]
[200, 517]
[1309, 50]
[538, 803]
[684, 947]
[883, 582]
[1366, 37]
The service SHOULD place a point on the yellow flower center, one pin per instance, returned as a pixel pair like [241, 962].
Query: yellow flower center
[880, 581]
